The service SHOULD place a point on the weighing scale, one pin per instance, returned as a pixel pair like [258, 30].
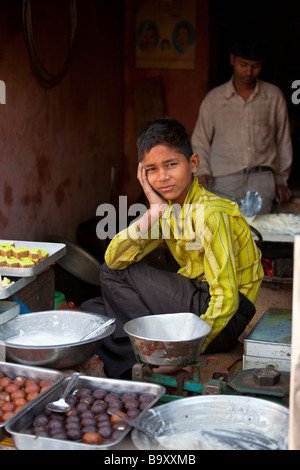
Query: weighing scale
[270, 337]
[261, 383]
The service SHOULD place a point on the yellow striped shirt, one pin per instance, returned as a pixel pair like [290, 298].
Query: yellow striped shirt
[211, 241]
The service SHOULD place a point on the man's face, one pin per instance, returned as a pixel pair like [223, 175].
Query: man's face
[246, 71]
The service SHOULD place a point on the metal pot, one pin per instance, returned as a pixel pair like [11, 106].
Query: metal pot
[78, 262]
[173, 339]
[71, 323]
[215, 422]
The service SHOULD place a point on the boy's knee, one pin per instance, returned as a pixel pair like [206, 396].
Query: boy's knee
[104, 271]
[104, 268]
[107, 273]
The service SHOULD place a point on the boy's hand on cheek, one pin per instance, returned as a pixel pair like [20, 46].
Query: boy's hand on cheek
[157, 204]
[152, 196]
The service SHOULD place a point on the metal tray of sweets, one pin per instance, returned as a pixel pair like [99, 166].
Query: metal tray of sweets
[55, 251]
[19, 424]
[16, 285]
[17, 370]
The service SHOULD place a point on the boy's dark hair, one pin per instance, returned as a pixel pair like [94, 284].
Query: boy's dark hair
[250, 49]
[164, 131]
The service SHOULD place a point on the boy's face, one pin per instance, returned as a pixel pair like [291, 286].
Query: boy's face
[169, 173]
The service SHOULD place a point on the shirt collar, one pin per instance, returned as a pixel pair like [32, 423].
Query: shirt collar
[230, 89]
[193, 191]
[193, 194]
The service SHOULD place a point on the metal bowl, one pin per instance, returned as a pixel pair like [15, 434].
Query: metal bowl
[174, 339]
[71, 324]
[78, 262]
[215, 422]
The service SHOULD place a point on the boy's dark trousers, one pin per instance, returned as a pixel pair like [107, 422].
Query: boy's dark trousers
[141, 290]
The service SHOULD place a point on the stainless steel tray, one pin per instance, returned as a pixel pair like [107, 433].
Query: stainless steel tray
[8, 310]
[15, 370]
[55, 250]
[26, 416]
[18, 284]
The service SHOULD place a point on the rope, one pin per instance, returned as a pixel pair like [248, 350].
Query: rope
[44, 76]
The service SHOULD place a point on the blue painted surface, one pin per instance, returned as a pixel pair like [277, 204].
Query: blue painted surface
[23, 308]
[275, 326]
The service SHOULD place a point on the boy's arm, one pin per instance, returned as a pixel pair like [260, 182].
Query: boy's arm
[220, 273]
[157, 205]
[129, 246]
[227, 271]
[141, 237]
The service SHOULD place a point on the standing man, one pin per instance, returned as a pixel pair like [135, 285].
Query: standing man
[242, 133]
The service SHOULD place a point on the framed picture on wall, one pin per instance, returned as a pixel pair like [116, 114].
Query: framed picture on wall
[166, 34]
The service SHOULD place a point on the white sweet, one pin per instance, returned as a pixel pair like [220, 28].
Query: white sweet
[286, 224]
[42, 339]
[5, 282]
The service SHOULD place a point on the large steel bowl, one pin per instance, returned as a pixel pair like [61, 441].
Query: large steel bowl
[68, 323]
[174, 339]
[215, 422]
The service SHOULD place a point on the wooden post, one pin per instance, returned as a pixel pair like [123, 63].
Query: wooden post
[294, 420]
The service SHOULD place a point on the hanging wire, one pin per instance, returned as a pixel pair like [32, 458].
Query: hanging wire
[44, 76]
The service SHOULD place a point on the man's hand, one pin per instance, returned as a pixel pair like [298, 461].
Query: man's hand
[283, 194]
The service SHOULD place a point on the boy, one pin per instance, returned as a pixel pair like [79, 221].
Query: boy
[219, 272]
